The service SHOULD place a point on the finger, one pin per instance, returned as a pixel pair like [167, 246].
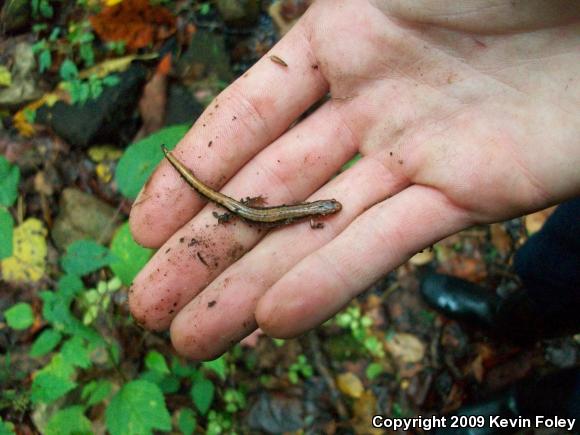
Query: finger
[288, 171]
[246, 117]
[224, 312]
[378, 241]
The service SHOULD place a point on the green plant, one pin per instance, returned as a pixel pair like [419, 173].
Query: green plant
[359, 326]
[81, 91]
[219, 423]
[41, 9]
[97, 300]
[9, 180]
[301, 368]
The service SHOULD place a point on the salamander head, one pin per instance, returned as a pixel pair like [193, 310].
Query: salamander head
[328, 206]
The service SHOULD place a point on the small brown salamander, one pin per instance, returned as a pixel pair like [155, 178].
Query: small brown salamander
[278, 215]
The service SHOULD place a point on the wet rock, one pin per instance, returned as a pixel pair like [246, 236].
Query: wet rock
[239, 13]
[14, 16]
[182, 107]
[82, 216]
[24, 87]
[276, 413]
[110, 118]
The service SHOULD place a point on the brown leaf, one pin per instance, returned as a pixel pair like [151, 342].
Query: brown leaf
[501, 239]
[535, 221]
[135, 22]
[405, 347]
[153, 101]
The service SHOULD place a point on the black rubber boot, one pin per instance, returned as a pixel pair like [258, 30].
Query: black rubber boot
[555, 395]
[548, 265]
[515, 317]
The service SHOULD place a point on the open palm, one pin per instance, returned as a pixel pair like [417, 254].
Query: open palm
[461, 116]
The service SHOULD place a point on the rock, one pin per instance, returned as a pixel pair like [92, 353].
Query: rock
[205, 56]
[239, 13]
[83, 216]
[110, 118]
[182, 107]
[276, 413]
[24, 87]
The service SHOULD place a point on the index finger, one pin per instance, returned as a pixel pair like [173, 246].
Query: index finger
[245, 118]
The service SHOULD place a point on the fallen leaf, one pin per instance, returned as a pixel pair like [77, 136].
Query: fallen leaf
[364, 408]
[103, 153]
[21, 119]
[535, 221]
[405, 347]
[116, 65]
[349, 384]
[28, 261]
[422, 258]
[136, 22]
[104, 172]
[501, 239]
[153, 100]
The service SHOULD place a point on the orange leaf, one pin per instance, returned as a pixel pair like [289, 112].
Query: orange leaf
[135, 22]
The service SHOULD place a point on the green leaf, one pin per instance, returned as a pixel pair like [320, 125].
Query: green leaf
[69, 421]
[46, 9]
[9, 179]
[85, 256]
[44, 60]
[141, 158]
[168, 383]
[186, 421]
[202, 392]
[218, 366]
[130, 257]
[373, 370]
[156, 362]
[76, 353]
[111, 80]
[96, 391]
[6, 428]
[6, 233]
[138, 408]
[87, 53]
[19, 316]
[46, 341]
[68, 70]
[52, 381]
[182, 370]
[70, 285]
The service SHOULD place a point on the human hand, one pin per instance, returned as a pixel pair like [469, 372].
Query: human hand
[464, 113]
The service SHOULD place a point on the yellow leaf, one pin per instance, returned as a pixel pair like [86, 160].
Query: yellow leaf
[28, 261]
[20, 120]
[349, 384]
[100, 153]
[423, 257]
[104, 172]
[405, 347]
[5, 76]
[112, 2]
[119, 64]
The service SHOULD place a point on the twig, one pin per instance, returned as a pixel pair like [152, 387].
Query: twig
[322, 368]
